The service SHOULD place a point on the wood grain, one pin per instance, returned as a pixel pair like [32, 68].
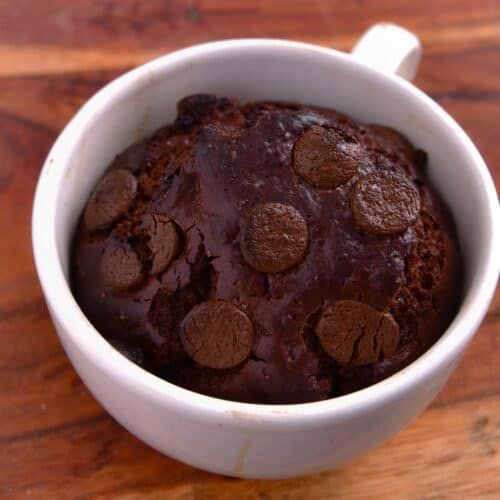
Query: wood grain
[55, 440]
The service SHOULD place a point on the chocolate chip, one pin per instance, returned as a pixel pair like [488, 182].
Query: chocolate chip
[325, 158]
[384, 203]
[356, 334]
[120, 266]
[162, 240]
[110, 199]
[274, 237]
[217, 334]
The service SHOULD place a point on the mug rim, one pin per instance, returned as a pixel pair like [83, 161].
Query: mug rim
[74, 324]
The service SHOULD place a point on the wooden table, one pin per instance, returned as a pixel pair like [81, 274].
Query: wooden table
[55, 440]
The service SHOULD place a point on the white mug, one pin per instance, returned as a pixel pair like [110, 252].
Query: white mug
[251, 440]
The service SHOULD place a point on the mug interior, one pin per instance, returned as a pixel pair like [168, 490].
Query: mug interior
[141, 101]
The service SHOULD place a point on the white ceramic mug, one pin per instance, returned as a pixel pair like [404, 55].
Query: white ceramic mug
[250, 440]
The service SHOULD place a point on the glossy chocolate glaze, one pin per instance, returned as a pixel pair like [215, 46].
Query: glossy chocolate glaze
[206, 172]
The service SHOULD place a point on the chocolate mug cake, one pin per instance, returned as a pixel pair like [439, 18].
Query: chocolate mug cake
[267, 252]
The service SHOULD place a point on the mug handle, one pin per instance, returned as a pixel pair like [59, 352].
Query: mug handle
[390, 49]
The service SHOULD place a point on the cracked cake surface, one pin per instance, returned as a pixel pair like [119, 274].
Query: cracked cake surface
[267, 252]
